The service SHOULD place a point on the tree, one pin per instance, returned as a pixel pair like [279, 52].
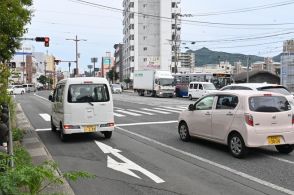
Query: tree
[42, 79]
[112, 75]
[14, 15]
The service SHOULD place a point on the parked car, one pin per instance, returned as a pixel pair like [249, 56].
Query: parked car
[241, 120]
[262, 87]
[29, 88]
[82, 105]
[16, 89]
[199, 89]
[116, 88]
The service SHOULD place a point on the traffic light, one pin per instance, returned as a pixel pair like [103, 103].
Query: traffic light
[43, 39]
[46, 42]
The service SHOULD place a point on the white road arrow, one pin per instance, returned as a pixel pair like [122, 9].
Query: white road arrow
[126, 165]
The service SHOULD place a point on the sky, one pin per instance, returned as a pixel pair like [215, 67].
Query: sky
[102, 28]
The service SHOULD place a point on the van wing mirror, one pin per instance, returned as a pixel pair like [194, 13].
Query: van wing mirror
[50, 98]
[191, 107]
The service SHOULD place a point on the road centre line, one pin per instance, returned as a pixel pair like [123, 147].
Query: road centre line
[233, 171]
[145, 123]
[280, 159]
[41, 97]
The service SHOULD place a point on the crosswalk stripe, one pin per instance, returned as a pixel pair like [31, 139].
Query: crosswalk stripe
[46, 117]
[130, 113]
[168, 110]
[152, 110]
[142, 112]
[180, 109]
[184, 107]
[118, 115]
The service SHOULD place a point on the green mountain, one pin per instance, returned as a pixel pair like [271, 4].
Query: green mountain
[206, 56]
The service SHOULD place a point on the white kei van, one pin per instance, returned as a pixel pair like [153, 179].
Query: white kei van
[199, 89]
[29, 88]
[82, 105]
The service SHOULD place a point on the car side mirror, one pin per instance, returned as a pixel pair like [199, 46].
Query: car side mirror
[50, 98]
[191, 107]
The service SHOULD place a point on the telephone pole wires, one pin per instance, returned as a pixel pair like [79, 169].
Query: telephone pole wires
[77, 54]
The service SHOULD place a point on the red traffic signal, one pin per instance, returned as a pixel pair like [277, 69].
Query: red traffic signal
[46, 40]
[43, 39]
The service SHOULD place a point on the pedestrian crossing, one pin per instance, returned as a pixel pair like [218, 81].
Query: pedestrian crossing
[165, 110]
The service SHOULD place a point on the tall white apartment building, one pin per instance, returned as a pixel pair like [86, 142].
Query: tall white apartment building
[287, 65]
[149, 31]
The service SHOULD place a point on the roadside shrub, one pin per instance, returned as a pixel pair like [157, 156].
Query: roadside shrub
[17, 134]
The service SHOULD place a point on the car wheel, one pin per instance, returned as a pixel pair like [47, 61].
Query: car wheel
[107, 134]
[53, 127]
[184, 132]
[22, 92]
[285, 149]
[63, 137]
[237, 146]
[190, 97]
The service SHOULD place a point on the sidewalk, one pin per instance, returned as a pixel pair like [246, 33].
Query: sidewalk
[38, 151]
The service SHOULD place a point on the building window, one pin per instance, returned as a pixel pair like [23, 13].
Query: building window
[144, 5]
[131, 15]
[131, 4]
[131, 26]
[132, 48]
[145, 48]
[173, 15]
[173, 26]
[132, 58]
[131, 37]
[145, 59]
[173, 4]
[144, 37]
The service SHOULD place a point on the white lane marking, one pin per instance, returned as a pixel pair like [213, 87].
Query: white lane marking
[46, 117]
[141, 112]
[233, 171]
[145, 123]
[130, 113]
[118, 115]
[184, 107]
[151, 110]
[280, 159]
[117, 108]
[179, 109]
[126, 165]
[168, 110]
[46, 129]
[42, 97]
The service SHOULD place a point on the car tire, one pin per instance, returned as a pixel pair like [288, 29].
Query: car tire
[285, 149]
[107, 134]
[53, 127]
[237, 146]
[22, 92]
[190, 97]
[63, 137]
[184, 132]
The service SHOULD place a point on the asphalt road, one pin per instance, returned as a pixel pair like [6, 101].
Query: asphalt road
[146, 156]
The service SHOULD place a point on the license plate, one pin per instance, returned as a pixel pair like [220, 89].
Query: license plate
[274, 140]
[90, 128]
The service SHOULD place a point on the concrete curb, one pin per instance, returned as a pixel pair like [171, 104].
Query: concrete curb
[38, 151]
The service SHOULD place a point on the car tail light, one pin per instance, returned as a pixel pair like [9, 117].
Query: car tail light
[292, 119]
[88, 82]
[249, 119]
[71, 127]
[267, 94]
[107, 125]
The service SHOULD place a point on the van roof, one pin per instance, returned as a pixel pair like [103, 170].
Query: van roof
[245, 93]
[198, 82]
[82, 80]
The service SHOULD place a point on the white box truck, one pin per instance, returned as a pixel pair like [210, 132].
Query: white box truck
[154, 83]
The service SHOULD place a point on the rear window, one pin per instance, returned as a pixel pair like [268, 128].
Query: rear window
[79, 93]
[269, 104]
[278, 89]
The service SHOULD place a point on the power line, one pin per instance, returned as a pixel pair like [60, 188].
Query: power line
[169, 18]
[248, 9]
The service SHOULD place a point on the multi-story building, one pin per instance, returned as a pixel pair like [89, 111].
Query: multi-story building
[186, 62]
[118, 60]
[267, 65]
[287, 65]
[150, 30]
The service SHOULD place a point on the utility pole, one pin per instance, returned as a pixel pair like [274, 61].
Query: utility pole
[94, 60]
[247, 69]
[77, 54]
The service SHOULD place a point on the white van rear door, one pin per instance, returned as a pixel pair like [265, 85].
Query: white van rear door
[89, 104]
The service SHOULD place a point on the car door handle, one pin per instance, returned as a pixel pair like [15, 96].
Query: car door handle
[229, 114]
[207, 113]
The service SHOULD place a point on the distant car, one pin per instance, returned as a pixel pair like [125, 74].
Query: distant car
[199, 89]
[116, 88]
[29, 88]
[262, 87]
[16, 89]
[240, 119]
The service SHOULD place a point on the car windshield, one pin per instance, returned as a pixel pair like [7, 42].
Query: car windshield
[79, 93]
[269, 104]
[278, 89]
[209, 86]
[164, 82]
